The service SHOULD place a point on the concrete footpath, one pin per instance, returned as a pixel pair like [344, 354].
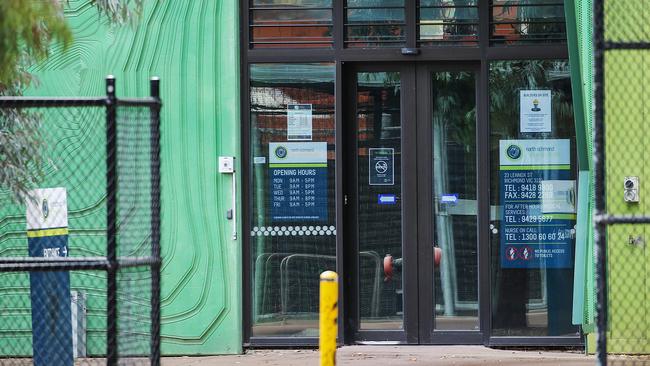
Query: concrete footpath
[395, 356]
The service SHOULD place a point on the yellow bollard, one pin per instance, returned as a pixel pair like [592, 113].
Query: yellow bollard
[329, 311]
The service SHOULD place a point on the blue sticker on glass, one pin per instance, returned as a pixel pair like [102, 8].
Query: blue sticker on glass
[449, 199]
[386, 199]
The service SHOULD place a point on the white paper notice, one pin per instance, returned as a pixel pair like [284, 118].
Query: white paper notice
[535, 110]
[299, 122]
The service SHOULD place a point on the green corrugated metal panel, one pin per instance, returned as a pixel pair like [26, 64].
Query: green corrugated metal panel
[584, 23]
[584, 302]
[572, 26]
[576, 76]
[582, 247]
[579, 41]
[584, 9]
[193, 46]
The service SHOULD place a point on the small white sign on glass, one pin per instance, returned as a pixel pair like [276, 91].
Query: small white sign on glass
[299, 122]
[535, 110]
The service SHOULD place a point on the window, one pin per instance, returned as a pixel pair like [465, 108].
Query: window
[532, 235]
[374, 23]
[290, 23]
[448, 22]
[293, 233]
[527, 21]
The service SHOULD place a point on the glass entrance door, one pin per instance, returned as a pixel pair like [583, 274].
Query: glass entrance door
[379, 158]
[414, 199]
[382, 202]
[455, 200]
[449, 204]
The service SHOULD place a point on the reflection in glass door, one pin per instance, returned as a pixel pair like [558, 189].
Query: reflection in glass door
[378, 120]
[453, 160]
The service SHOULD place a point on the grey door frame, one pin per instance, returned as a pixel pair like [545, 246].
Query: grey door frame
[409, 335]
[428, 335]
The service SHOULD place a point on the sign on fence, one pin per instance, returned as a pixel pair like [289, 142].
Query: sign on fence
[47, 236]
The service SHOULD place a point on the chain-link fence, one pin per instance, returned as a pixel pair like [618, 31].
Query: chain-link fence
[622, 199]
[80, 230]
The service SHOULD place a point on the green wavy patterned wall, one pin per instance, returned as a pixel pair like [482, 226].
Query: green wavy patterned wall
[193, 47]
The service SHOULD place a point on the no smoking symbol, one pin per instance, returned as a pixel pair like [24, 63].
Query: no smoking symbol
[381, 167]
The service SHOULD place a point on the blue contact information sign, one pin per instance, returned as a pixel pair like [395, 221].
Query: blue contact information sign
[538, 204]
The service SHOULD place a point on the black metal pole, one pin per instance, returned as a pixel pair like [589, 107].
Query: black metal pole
[155, 221]
[599, 181]
[111, 223]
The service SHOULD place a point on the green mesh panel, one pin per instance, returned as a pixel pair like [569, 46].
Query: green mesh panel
[584, 304]
[584, 13]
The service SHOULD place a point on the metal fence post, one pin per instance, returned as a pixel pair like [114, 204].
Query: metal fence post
[111, 222]
[599, 179]
[155, 221]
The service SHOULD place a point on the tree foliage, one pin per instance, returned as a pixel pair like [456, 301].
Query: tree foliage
[21, 161]
[28, 30]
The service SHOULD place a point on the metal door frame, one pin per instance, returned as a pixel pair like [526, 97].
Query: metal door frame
[417, 216]
[427, 334]
[409, 335]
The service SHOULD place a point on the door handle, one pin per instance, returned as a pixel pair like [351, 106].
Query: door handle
[227, 166]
